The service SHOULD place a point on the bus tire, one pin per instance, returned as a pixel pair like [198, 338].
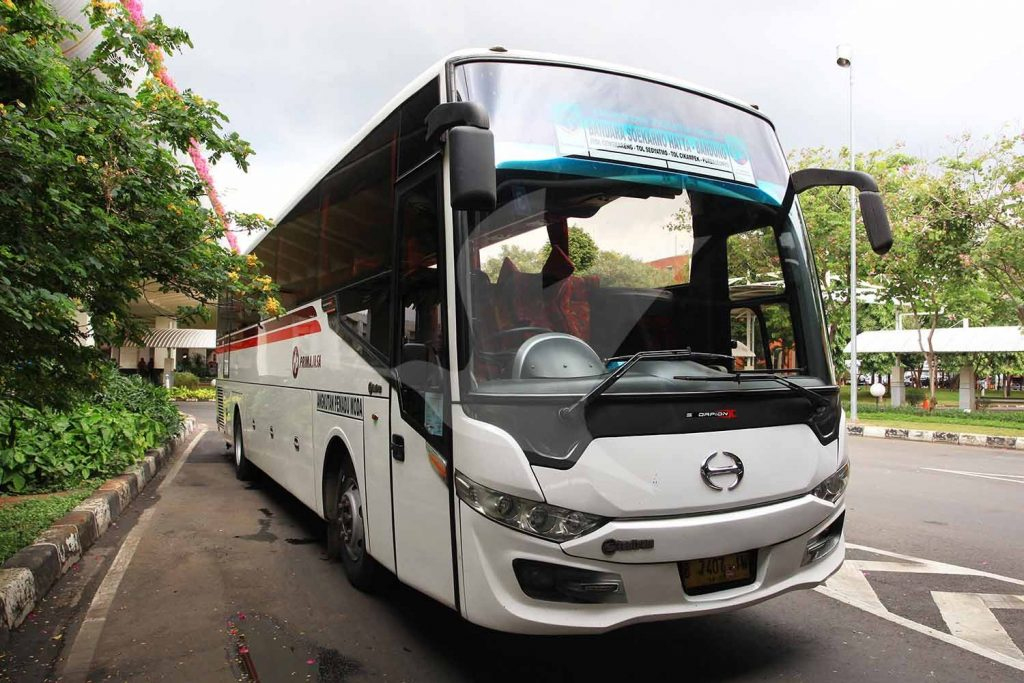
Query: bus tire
[346, 533]
[244, 470]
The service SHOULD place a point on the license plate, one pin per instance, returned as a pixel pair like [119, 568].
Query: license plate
[718, 573]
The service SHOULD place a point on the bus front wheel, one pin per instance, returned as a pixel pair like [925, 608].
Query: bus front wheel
[346, 534]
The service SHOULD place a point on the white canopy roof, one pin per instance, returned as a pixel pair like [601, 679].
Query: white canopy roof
[946, 340]
[177, 338]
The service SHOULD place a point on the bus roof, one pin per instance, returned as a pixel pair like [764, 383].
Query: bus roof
[493, 54]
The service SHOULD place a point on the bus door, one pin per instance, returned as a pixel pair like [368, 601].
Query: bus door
[420, 450]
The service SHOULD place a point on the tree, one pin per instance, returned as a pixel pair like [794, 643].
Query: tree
[987, 190]
[621, 270]
[582, 249]
[96, 202]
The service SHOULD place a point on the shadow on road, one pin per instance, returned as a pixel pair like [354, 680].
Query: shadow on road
[714, 647]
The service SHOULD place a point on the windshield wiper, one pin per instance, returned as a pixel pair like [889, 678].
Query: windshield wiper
[678, 354]
[814, 397]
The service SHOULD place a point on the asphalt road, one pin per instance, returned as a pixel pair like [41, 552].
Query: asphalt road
[216, 559]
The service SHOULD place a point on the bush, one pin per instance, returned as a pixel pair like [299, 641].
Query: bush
[915, 396]
[134, 394]
[186, 380]
[47, 450]
[200, 394]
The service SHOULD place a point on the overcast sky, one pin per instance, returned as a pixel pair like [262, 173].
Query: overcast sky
[299, 77]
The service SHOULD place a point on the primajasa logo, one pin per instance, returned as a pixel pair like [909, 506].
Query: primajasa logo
[300, 361]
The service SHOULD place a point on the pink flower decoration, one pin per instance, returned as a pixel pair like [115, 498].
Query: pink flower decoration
[134, 8]
[155, 58]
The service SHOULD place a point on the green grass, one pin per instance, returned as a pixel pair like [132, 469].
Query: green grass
[21, 523]
[945, 397]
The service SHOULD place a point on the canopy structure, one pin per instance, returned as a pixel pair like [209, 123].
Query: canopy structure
[960, 340]
[177, 338]
[946, 340]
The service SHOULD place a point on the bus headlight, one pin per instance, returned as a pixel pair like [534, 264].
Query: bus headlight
[833, 488]
[549, 522]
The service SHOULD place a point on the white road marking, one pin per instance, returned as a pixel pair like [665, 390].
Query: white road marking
[994, 476]
[853, 586]
[949, 568]
[81, 652]
[969, 616]
[972, 625]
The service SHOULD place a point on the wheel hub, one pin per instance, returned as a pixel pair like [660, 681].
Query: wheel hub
[351, 523]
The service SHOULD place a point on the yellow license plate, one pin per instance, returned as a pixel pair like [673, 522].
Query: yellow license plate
[718, 573]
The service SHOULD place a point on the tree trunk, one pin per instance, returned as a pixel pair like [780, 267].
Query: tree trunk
[933, 366]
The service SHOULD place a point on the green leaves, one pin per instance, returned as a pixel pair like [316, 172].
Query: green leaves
[97, 197]
[45, 450]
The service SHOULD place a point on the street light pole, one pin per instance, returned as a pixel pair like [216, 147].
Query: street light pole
[844, 58]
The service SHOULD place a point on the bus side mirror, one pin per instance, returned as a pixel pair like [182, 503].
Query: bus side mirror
[471, 167]
[876, 220]
[470, 153]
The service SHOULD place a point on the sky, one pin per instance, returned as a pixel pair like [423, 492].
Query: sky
[298, 78]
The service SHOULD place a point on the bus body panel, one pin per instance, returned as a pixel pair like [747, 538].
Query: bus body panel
[688, 538]
[421, 504]
[490, 456]
[658, 475]
[654, 591]
[376, 480]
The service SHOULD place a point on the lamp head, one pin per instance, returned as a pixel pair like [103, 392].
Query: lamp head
[844, 55]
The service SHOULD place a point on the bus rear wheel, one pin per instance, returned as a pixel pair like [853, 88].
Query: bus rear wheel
[244, 470]
[346, 537]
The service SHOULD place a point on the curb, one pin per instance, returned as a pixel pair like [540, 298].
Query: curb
[29, 574]
[959, 438]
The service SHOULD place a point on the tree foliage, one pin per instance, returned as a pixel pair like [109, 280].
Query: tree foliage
[96, 200]
[613, 268]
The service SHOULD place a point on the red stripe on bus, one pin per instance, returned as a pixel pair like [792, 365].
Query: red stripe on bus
[311, 327]
[285, 320]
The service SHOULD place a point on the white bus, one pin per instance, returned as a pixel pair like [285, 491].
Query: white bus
[554, 352]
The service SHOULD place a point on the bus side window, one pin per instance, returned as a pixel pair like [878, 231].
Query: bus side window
[361, 317]
[420, 328]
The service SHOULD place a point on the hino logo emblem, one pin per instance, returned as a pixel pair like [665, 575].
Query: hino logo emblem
[707, 471]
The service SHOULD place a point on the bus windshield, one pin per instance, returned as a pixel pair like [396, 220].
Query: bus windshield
[588, 260]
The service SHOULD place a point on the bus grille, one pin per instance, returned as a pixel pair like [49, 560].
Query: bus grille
[220, 407]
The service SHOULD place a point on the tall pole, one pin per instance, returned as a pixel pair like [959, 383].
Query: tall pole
[853, 270]
[844, 58]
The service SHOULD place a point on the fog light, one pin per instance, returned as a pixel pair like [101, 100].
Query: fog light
[824, 542]
[557, 583]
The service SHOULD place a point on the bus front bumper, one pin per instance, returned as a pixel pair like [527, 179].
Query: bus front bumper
[492, 595]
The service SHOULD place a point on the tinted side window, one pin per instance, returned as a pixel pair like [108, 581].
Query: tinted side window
[357, 210]
[361, 317]
[297, 241]
[413, 148]
[422, 349]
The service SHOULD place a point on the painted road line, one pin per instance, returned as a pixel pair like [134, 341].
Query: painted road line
[973, 627]
[969, 616]
[950, 568]
[995, 476]
[77, 664]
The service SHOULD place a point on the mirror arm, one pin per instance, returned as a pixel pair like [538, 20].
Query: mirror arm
[450, 114]
[822, 177]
